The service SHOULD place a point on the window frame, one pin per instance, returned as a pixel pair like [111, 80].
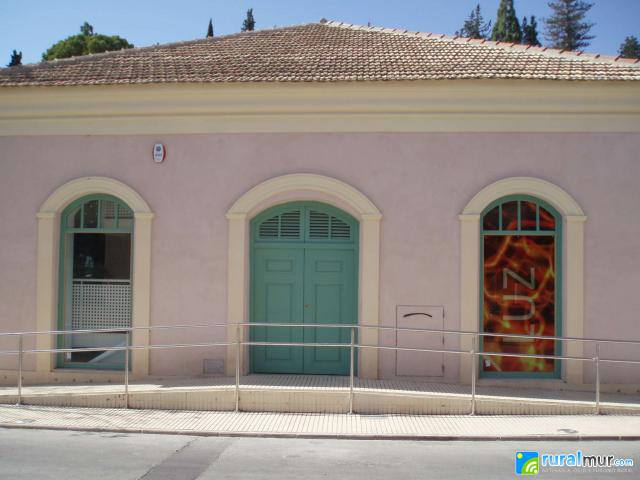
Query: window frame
[559, 283]
[64, 277]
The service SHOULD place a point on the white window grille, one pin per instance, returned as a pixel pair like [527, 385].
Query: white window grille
[98, 303]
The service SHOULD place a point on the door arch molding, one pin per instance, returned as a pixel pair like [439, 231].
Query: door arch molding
[303, 187]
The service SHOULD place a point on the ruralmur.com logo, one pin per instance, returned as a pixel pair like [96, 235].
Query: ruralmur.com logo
[532, 463]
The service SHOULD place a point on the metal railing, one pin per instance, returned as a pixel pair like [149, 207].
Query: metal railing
[354, 344]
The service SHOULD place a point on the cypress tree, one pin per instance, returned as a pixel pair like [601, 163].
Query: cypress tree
[475, 26]
[86, 29]
[249, 23]
[210, 28]
[507, 26]
[530, 32]
[567, 28]
[629, 49]
[16, 59]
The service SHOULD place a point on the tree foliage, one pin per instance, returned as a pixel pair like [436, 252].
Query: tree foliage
[16, 59]
[475, 26]
[210, 28]
[507, 26]
[530, 32]
[566, 28]
[249, 23]
[85, 43]
[629, 49]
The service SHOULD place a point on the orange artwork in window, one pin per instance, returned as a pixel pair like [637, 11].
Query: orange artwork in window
[519, 298]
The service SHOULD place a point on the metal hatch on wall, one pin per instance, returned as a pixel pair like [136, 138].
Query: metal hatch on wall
[419, 364]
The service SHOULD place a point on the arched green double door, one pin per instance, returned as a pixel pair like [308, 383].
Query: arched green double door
[304, 270]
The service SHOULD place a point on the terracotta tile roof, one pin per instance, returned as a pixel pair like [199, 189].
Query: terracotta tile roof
[322, 52]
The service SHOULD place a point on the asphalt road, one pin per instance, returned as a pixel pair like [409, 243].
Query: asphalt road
[42, 454]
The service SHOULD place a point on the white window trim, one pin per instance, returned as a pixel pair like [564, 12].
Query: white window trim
[296, 187]
[48, 252]
[573, 264]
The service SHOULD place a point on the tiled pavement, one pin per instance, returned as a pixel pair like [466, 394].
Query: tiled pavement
[322, 425]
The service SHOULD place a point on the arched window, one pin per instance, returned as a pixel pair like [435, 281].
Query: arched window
[95, 279]
[520, 285]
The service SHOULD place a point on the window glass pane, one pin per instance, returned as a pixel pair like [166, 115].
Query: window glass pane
[102, 255]
[108, 213]
[519, 298]
[125, 217]
[510, 215]
[547, 221]
[91, 214]
[74, 219]
[491, 220]
[527, 216]
[104, 358]
[125, 222]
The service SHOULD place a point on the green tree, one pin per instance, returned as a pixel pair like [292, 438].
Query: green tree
[530, 32]
[249, 23]
[85, 43]
[507, 26]
[475, 26]
[210, 28]
[566, 28]
[629, 49]
[16, 59]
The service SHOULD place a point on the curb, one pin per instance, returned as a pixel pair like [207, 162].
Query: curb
[335, 436]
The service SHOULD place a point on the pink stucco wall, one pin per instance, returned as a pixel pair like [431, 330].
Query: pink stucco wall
[420, 182]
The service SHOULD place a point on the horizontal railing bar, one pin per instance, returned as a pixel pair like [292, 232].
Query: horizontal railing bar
[345, 326]
[319, 325]
[408, 349]
[118, 329]
[348, 345]
[427, 330]
[557, 339]
[530, 355]
[612, 360]
[115, 349]
[298, 344]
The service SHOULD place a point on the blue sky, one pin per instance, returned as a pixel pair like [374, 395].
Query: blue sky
[32, 26]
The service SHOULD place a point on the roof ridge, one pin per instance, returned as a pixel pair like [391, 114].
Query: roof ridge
[92, 56]
[547, 51]
[579, 55]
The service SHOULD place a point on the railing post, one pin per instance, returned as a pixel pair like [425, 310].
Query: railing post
[237, 391]
[351, 365]
[474, 364]
[597, 360]
[127, 343]
[19, 369]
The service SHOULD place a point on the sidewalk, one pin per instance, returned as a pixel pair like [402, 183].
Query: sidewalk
[205, 423]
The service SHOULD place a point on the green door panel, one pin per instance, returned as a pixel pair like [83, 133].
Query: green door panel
[304, 269]
[277, 298]
[329, 298]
